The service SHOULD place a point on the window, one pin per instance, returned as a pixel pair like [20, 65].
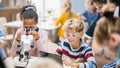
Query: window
[44, 7]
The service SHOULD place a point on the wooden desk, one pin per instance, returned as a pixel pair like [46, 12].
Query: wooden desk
[47, 25]
[14, 25]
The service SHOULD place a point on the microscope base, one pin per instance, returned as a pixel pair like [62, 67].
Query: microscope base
[23, 63]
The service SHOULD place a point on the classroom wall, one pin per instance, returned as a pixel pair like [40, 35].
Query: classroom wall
[78, 6]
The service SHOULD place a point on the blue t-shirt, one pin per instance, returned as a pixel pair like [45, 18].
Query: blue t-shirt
[89, 16]
[92, 25]
[2, 52]
[1, 33]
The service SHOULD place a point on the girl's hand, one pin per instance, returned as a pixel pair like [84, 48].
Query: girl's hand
[18, 38]
[35, 35]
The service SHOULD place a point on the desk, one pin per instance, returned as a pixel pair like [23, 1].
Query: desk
[45, 25]
[13, 25]
[50, 27]
[35, 62]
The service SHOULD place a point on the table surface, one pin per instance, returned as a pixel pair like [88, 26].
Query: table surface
[43, 25]
[13, 24]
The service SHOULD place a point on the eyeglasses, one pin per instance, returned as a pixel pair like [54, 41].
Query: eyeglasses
[73, 35]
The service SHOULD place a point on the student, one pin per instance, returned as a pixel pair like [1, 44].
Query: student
[30, 20]
[89, 14]
[65, 15]
[2, 52]
[98, 4]
[74, 47]
[107, 33]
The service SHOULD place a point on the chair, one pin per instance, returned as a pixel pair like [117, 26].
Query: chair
[8, 37]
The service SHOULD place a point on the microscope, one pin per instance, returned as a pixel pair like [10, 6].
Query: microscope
[23, 53]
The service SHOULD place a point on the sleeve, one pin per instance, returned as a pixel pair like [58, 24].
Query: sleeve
[75, 15]
[90, 30]
[14, 47]
[91, 63]
[1, 34]
[42, 42]
[58, 21]
[118, 56]
[59, 49]
[2, 53]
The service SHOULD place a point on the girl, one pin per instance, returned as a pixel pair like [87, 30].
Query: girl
[107, 33]
[30, 20]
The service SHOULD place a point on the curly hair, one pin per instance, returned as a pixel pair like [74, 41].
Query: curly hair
[29, 12]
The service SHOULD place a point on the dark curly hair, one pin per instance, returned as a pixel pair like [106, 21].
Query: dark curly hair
[29, 12]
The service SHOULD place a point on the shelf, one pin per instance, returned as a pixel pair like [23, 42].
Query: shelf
[9, 12]
[7, 8]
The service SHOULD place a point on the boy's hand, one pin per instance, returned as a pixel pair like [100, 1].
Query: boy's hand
[74, 64]
[18, 38]
[35, 35]
[66, 61]
[1, 43]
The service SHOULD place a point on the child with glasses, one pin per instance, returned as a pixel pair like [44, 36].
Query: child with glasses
[74, 51]
[30, 19]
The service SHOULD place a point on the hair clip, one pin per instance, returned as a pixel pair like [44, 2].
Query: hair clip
[30, 8]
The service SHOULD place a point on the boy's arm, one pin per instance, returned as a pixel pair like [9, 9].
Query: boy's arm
[59, 50]
[91, 63]
[2, 39]
[88, 54]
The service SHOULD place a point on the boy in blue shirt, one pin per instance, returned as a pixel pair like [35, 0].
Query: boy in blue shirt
[2, 52]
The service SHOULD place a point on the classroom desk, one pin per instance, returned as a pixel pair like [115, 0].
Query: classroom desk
[45, 25]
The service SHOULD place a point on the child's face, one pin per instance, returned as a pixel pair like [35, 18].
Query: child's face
[29, 23]
[98, 7]
[72, 36]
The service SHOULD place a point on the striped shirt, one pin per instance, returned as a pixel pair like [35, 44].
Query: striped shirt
[84, 52]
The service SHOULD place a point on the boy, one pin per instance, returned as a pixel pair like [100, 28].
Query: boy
[74, 48]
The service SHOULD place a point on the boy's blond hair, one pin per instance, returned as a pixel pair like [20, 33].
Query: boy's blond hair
[75, 24]
[106, 26]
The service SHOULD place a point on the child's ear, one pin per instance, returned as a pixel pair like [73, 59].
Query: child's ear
[81, 34]
[115, 38]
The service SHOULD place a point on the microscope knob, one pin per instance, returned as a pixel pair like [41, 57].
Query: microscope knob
[18, 45]
[21, 56]
[26, 53]
[32, 46]
[18, 52]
